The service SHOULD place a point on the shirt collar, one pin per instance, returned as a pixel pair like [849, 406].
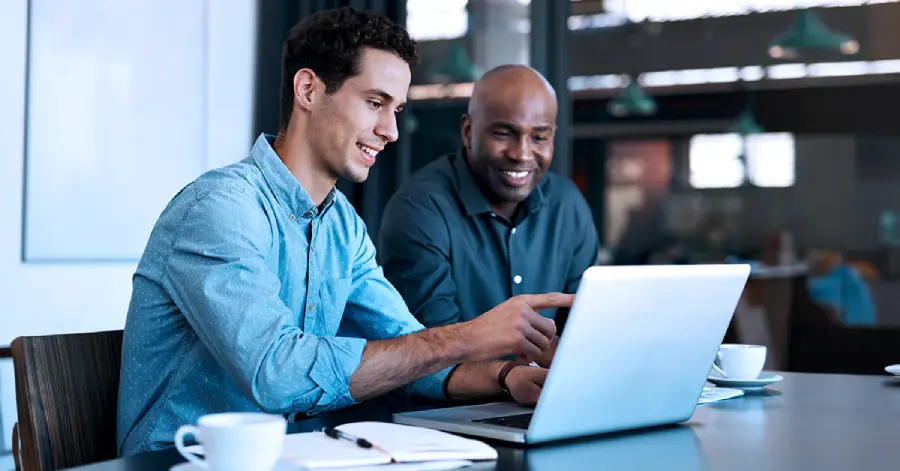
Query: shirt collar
[287, 190]
[473, 199]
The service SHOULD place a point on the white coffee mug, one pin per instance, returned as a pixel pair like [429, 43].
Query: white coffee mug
[739, 361]
[235, 441]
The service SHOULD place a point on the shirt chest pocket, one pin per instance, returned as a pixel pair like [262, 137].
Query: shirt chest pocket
[333, 300]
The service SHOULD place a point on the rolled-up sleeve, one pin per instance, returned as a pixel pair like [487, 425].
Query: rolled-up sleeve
[218, 276]
[378, 311]
[415, 251]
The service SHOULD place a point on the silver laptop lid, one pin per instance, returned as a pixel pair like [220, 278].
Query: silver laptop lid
[637, 348]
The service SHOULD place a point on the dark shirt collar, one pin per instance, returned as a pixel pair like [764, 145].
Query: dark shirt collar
[473, 199]
[285, 186]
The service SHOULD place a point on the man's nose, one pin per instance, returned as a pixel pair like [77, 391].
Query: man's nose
[521, 151]
[387, 127]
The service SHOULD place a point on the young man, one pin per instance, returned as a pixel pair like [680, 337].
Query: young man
[491, 222]
[259, 289]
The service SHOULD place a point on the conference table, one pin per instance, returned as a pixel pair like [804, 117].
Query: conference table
[813, 422]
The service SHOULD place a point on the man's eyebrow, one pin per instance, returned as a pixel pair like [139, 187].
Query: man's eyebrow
[383, 94]
[505, 125]
[512, 127]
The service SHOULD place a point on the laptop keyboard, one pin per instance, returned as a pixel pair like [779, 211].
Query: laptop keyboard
[515, 421]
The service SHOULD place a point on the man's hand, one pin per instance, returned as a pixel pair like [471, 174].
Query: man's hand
[515, 327]
[525, 384]
[546, 358]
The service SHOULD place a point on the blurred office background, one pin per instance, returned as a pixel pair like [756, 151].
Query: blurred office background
[699, 131]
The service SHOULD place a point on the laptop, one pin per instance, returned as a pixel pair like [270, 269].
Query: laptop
[636, 352]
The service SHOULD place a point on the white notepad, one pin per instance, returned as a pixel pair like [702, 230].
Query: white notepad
[393, 443]
[716, 394]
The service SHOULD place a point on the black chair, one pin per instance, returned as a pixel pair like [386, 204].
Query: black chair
[67, 397]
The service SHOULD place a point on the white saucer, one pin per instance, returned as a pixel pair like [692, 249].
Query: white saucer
[893, 369]
[279, 466]
[764, 379]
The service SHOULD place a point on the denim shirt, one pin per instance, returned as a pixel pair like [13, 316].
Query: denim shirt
[250, 298]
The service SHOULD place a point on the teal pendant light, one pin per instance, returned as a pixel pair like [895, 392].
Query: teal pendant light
[745, 124]
[457, 68]
[888, 226]
[809, 32]
[632, 101]
[411, 122]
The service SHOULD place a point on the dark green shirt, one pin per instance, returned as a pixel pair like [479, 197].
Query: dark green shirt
[452, 258]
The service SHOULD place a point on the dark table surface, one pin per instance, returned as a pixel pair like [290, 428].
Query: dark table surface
[806, 422]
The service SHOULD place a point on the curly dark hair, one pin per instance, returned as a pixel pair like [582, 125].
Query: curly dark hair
[331, 42]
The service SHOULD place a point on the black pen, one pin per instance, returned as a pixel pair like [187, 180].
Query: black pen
[337, 435]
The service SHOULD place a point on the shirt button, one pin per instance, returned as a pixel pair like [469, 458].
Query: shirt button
[293, 217]
[517, 279]
[309, 213]
[309, 307]
[514, 230]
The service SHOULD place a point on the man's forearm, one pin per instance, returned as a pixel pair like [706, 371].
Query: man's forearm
[472, 381]
[392, 363]
[513, 327]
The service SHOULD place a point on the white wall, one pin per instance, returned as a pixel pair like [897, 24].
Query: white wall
[39, 299]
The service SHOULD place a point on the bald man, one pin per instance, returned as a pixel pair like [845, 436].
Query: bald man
[475, 228]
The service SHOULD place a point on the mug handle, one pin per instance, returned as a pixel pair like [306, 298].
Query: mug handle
[716, 366]
[182, 432]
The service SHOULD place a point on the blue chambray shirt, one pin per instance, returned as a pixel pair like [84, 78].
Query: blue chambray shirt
[249, 298]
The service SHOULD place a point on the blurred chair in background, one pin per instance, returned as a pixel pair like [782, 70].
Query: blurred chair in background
[840, 287]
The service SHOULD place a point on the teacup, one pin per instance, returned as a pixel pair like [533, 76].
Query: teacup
[740, 361]
[235, 441]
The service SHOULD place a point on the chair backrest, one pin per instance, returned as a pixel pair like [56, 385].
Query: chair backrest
[67, 396]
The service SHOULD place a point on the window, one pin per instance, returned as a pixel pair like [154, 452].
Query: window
[433, 19]
[770, 160]
[657, 10]
[715, 162]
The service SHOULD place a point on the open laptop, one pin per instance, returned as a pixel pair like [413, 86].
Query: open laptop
[637, 349]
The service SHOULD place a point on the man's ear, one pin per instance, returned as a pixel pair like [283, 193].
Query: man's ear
[465, 130]
[306, 85]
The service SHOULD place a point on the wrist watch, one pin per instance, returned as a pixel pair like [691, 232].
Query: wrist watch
[504, 372]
